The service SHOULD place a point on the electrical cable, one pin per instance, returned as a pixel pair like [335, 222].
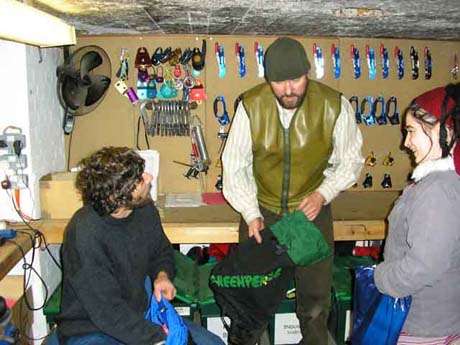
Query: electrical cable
[25, 282]
[69, 148]
[27, 266]
[25, 324]
[38, 234]
[37, 240]
[145, 133]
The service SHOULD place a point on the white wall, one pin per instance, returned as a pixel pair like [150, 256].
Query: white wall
[28, 100]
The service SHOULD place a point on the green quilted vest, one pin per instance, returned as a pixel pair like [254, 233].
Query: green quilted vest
[288, 164]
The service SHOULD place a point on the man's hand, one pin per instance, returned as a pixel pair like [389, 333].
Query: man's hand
[163, 286]
[255, 227]
[311, 205]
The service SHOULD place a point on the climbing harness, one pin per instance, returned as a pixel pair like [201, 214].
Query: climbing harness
[186, 56]
[455, 69]
[241, 59]
[386, 182]
[319, 61]
[336, 65]
[428, 63]
[259, 53]
[370, 160]
[355, 104]
[381, 119]
[220, 57]
[122, 72]
[414, 62]
[356, 61]
[388, 160]
[198, 58]
[399, 61]
[385, 61]
[223, 120]
[370, 56]
[367, 183]
[394, 117]
[367, 117]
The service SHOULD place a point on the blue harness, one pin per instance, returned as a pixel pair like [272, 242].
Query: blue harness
[163, 314]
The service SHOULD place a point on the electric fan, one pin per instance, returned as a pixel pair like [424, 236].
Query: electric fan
[83, 80]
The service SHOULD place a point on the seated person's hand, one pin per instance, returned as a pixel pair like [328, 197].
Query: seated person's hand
[163, 286]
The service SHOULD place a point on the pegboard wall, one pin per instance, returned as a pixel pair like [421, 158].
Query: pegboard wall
[114, 122]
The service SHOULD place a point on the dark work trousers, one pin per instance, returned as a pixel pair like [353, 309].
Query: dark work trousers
[313, 283]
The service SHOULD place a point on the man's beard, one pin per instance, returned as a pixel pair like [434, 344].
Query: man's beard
[141, 200]
[293, 102]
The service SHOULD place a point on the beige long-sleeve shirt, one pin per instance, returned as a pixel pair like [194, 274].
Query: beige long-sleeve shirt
[239, 186]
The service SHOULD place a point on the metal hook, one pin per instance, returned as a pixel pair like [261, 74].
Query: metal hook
[40, 56]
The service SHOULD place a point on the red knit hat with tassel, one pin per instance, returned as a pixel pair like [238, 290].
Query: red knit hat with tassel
[431, 101]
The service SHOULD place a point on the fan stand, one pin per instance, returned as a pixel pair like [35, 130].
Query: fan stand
[68, 121]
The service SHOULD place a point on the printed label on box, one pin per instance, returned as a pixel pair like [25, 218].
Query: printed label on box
[287, 329]
[184, 248]
[348, 325]
[216, 326]
[183, 311]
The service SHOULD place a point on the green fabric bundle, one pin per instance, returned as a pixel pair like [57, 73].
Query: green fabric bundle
[304, 241]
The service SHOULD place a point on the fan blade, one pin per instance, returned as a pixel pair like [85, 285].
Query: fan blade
[99, 84]
[89, 61]
[67, 71]
[73, 92]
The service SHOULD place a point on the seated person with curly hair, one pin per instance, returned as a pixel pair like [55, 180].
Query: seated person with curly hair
[111, 244]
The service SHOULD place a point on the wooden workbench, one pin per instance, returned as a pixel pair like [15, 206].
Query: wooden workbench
[187, 225]
[357, 216]
[10, 254]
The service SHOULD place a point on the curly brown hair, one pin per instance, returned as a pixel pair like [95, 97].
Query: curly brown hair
[109, 177]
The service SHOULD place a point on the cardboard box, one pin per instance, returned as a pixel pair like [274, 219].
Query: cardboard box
[59, 199]
[285, 327]
[212, 321]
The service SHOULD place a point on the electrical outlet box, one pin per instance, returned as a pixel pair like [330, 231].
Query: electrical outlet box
[20, 181]
[10, 138]
[14, 162]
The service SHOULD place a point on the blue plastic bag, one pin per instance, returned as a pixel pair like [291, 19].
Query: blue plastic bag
[163, 313]
[377, 318]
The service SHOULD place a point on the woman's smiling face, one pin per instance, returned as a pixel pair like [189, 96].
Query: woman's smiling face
[422, 141]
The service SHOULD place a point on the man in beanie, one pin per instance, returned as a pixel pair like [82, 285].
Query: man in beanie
[294, 144]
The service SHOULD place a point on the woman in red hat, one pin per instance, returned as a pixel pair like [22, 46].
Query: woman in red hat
[422, 251]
